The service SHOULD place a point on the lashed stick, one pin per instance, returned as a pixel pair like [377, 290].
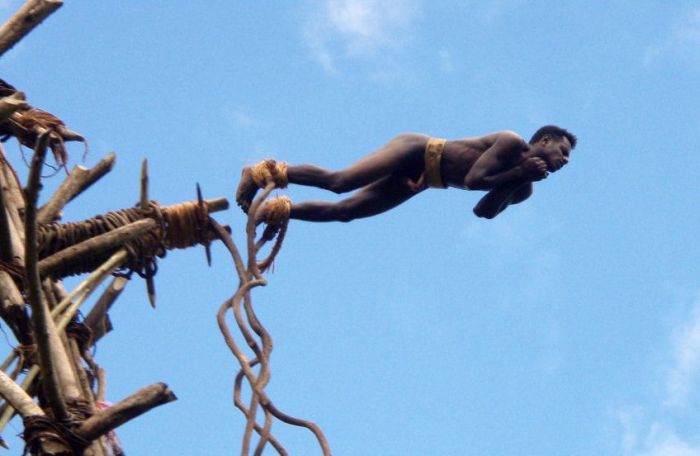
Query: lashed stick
[64, 312]
[95, 245]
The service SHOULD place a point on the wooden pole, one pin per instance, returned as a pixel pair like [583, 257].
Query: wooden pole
[127, 409]
[31, 14]
[79, 180]
[17, 397]
[52, 357]
[95, 246]
[10, 104]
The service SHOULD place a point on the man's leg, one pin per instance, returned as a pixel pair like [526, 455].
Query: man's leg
[499, 198]
[374, 199]
[401, 155]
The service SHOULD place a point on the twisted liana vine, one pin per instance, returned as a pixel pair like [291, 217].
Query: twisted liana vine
[254, 333]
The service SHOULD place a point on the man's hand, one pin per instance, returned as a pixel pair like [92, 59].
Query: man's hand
[534, 169]
[416, 186]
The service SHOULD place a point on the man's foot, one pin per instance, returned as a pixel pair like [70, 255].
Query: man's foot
[275, 214]
[247, 188]
[262, 216]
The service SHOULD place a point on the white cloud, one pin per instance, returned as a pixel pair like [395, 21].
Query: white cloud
[657, 439]
[336, 30]
[663, 441]
[649, 430]
[686, 360]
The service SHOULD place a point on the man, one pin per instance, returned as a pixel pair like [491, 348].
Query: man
[501, 163]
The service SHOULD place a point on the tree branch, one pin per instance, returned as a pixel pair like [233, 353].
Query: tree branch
[48, 342]
[17, 397]
[127, 409]
[5, 233]
[97, 319]
[25, 20]
[10, 104]
[95, 246]
[79, 180]
[13, 198]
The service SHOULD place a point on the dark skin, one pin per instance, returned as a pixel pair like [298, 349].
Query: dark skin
[502, 163]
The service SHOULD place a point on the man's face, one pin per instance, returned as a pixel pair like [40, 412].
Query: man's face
[554, 151]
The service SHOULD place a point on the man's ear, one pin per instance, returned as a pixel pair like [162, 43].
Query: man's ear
[545, 140]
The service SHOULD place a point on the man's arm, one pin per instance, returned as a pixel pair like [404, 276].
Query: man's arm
[502, 162]
[492, 168]
[499, 198]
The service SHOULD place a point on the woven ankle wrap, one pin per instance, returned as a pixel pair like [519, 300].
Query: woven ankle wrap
[270, 170]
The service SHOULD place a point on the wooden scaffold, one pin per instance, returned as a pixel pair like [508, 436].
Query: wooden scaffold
[51, 379]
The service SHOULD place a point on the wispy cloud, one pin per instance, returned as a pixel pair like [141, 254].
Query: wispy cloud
[656, 439]
[342, 30]
[686, 360]
[490, 11]
[682, 40]
[446, 61]
[648, 430]
[239, 117]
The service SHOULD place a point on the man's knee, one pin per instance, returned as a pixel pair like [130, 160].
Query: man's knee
[522, 194]
[343, 213]
[339, 183]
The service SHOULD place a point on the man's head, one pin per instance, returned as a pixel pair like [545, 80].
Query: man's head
[552, 144]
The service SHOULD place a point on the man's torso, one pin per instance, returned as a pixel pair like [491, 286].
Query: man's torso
[459, 157]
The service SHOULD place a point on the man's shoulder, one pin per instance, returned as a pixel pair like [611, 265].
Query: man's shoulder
[506, 142]
[505, 136]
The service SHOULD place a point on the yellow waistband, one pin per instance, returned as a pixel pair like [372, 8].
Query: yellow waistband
[433, 157]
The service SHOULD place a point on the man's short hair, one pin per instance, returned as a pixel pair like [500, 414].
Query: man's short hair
[557, 132]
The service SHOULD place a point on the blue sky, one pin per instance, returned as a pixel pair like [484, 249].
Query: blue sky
[569, 325]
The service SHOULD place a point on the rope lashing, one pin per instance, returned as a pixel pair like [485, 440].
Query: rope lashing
[177, 227]
[81, 333]
[42, 428]
[276, 214]
[270, 170]
[27, 356]
[277, 210]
